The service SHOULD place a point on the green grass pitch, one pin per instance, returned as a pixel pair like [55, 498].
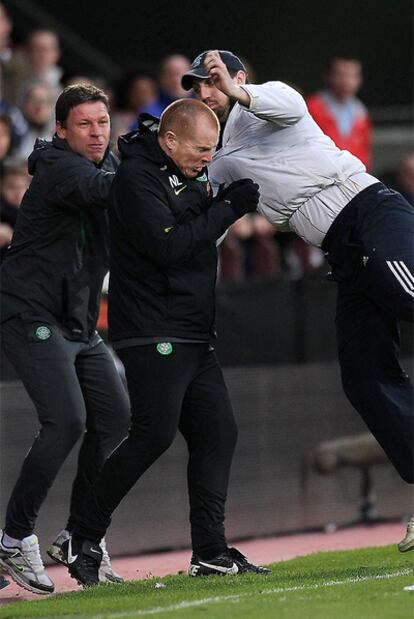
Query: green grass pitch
[356, 584]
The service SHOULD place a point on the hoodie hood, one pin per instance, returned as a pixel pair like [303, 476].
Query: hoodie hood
[143, 142]
[45, 150]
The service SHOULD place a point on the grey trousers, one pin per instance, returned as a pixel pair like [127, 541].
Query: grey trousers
[77, 392]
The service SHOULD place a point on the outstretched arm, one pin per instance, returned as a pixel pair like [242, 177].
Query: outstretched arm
[274, 101]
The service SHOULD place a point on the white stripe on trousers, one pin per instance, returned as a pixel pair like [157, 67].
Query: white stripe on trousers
[403, 275]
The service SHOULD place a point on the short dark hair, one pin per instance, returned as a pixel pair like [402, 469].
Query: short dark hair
[74, 95]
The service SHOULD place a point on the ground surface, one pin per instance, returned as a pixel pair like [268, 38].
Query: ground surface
[365, 583]
[384, 571]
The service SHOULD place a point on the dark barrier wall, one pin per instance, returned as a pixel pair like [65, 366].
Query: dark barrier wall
[283, 412]
[273, 322]
[280, 321]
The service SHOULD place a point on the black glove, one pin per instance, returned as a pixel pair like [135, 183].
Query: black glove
[223, 191]
[242, 195]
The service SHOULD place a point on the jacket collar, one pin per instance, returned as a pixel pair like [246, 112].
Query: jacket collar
[62, 144]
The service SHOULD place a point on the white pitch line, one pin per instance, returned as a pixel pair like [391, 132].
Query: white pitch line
[236, 597]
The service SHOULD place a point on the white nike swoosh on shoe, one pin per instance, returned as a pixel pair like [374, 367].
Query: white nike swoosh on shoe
[71, 558]
[95, 551]
[224, 570]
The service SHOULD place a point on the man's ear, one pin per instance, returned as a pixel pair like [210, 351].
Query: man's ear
[170, 140]
[240, 77]
[60, 130]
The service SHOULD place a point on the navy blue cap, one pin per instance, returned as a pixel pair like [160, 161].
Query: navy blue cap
[197, 68]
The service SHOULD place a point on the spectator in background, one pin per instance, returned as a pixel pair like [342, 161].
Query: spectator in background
[339, 112]
[10, 69]
[402, 178]
[137, 92]
[6, 27]
[143, 94]
[36, 62]
[232, 250]
[250, 249]
[15, 180]
[9, 62]
[168, 85]
[38, 111]
[169, 79]
[18, 123]
[14, 184]
[6, 139]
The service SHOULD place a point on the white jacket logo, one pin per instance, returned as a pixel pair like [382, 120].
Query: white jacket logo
[176, 184]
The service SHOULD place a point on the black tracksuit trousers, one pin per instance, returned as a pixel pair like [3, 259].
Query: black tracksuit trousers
[182, 390]
[77, 391]
[370, 247]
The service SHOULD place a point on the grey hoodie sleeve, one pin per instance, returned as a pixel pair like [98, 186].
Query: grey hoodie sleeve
[276, 102]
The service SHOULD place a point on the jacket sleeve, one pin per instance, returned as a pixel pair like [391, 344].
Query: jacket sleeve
[276, 102]
[78, 183]
[140, 205]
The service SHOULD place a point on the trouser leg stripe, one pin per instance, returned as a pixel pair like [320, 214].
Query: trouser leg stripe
[407, 271]
[403, 275]
[392, 267]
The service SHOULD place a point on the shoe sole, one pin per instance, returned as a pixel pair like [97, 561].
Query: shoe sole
[55, 558]
[198, 571]
[82, 584]
[406, 547]
[110, 580]
[102, 581]
[22, 583]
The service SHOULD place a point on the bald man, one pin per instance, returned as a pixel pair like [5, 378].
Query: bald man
[164, 228]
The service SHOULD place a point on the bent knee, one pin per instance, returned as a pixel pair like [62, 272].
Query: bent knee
[157, 440]
[72, 428]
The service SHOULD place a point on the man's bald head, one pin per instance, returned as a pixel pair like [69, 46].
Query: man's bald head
[188, 134]
[183, 115]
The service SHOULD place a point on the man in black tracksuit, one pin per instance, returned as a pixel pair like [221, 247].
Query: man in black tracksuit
[164, 228]
[51, 286]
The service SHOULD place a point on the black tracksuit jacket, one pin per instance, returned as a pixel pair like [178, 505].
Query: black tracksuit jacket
[164, 228]
[58, 257]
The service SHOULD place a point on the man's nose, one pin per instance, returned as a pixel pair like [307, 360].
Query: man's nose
[204, 90]
[95, 129]
[207, 157]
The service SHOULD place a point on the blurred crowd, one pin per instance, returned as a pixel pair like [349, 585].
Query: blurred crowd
[32, 77]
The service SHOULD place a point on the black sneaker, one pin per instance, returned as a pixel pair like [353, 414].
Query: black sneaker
[243, 564]
[58, 551]
[231, 561]
[84, 559]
